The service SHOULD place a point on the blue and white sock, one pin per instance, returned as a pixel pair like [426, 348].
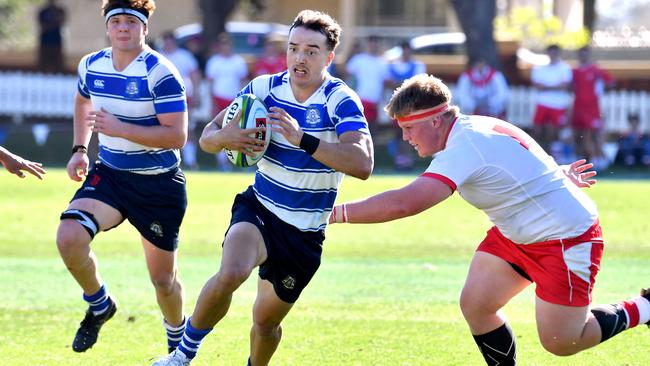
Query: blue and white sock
[174, 334]
[98, 302]
[192, 339]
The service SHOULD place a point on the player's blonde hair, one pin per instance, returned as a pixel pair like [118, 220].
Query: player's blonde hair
[421, 91]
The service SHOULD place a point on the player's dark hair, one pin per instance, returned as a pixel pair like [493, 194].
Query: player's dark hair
[319, 22]
[144, 7]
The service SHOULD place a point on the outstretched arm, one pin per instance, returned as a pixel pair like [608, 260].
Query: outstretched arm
[576, 172]
[419, 195]
[16, 164]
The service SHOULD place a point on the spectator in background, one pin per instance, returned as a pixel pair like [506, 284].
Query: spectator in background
[16, 164]
[586, 121]
[188, 67]
[370, 72]
[552, 82]
[482, 90]
[634, 145]
[226, 73]
[401, 69]
[51, 18]
[274, 59]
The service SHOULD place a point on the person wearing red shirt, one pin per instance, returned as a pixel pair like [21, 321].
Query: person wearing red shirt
[587, 123]
[273, 60]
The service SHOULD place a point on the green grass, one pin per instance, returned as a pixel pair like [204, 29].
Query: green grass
[386, 294]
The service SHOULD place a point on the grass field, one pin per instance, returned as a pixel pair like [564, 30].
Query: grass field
[385, 294]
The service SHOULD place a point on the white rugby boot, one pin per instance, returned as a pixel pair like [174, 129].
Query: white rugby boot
[176, 358]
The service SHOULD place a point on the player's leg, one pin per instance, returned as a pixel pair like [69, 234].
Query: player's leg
[83, 218]
[490, 284]
[243, 250]
[266, 332]
[169, 290]
[565, 330]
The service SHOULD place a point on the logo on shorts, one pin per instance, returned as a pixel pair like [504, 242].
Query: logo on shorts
[312, 116]
[260, 220]
[289, 283]
[157, 229]
[95, 180]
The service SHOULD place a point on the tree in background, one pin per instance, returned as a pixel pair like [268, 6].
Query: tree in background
[536, 32]
[476, 18]
[216, 14]
[12, 32]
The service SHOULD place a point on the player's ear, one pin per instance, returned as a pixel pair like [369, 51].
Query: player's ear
[330, 57]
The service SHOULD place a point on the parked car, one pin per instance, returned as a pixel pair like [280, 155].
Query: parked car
[447, 43]
[247, 37]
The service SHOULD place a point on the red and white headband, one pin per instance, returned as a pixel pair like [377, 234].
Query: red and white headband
[424, 114]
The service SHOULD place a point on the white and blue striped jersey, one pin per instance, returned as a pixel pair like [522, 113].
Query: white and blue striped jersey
[149, 86]
[290, 183]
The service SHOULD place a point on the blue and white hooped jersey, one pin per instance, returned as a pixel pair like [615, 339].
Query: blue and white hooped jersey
[149, 86]
[290, 183]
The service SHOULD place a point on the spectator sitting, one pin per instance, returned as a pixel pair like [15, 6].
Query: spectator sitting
[483, 90]
[634, 145]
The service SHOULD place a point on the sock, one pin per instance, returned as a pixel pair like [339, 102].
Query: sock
[98, 302]
[249, 362]
[498, 346]
[192, 339]
[615, 318]
[174, 334]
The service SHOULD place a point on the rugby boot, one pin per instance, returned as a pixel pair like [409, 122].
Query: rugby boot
[176, 358]
[89, 327]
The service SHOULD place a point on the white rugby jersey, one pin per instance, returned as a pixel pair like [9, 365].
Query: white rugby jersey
[290, 183]
[149, 86]
[498, 168]
[553, 75]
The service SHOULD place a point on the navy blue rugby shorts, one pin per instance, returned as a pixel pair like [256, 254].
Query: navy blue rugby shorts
[153, 204]
[293, 255]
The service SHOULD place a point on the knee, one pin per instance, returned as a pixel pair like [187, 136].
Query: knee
[164, 282]
[231, 277]
[267, 327]
[70, 239]
[469, 305]
[558, 346]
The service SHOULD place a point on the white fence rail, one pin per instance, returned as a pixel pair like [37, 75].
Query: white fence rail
[52, 96]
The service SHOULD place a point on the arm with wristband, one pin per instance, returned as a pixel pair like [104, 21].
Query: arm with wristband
[77, 167]
[352, 155]
[419, 195]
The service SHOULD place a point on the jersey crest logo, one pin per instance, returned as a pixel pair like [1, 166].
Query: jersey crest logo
[312, 116]
[98, 83]
[157, 229]
[289, 283]
[131, 87]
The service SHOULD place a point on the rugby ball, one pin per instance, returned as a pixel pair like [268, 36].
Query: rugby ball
[254, 114]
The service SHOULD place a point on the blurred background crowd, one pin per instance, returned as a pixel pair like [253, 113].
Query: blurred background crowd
[572, 73]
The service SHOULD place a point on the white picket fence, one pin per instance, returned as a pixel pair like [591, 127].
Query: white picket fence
[52, 96]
